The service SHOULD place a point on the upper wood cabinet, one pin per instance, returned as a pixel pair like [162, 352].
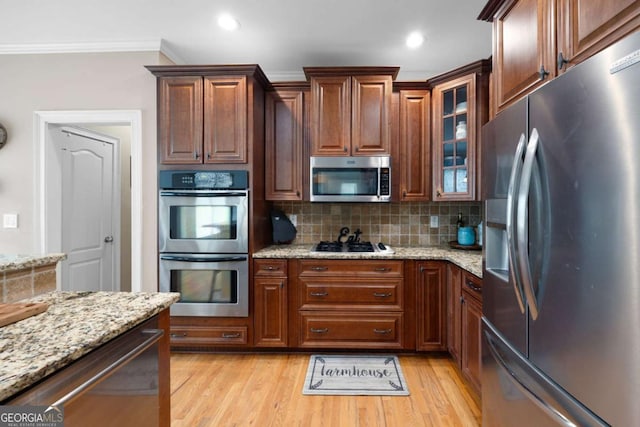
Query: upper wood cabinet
[206, 113]
[284, 144]
[350, 110]
[460, 108]
[535, 40]
[414, 145]
[585, 27]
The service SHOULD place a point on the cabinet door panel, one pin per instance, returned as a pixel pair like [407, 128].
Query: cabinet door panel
[331, 116]
[585, 28]
[431, 306]
[270, 312]
[225, 130]
[284, 141]
[180, 119]
[415, 145]
[471, 343]
[524, 42]
[371, 114]
[454, 313]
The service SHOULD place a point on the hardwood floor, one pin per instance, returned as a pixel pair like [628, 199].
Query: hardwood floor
[266, 390]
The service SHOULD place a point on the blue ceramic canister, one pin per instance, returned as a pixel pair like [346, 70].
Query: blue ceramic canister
[466, 236]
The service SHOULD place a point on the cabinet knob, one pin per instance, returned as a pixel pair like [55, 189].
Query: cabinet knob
[345, 149]
[208, 156]
[196, 155]
[562, 61]
[404, 193]
[357, 148]
[298, 193]
[543, 73]
[438, 193]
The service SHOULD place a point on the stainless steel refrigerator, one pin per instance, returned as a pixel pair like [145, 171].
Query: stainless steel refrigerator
[561, 283]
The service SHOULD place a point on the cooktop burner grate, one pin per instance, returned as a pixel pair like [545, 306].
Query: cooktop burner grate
[344, 247]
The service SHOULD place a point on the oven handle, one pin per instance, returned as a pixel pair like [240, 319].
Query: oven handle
[187, 258]
[203, 194]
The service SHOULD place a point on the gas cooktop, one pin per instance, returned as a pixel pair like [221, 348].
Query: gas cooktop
[352, 247]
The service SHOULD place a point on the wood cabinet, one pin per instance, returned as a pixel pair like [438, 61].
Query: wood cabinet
[464, 321]
[460, 108]
[347, 304]
[535, 40]
[350, 110]
[414, 123]
[208, 114]
[270, 303]
[284, 144]
[190, 333]
[431, 311]
[454, 312]
[471, 354]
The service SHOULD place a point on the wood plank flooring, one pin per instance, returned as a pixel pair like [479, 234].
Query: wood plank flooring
[266, 390]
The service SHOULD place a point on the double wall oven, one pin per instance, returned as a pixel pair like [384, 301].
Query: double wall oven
[203, 241]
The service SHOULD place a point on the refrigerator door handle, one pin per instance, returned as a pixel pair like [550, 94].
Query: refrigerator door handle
[514, 183]
[522, 231]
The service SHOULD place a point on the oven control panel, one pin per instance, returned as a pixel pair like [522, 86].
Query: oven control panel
[205, 180]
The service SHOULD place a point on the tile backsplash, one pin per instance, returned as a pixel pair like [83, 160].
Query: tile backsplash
[399, 224]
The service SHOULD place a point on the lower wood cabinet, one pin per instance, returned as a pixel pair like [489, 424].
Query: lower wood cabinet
[270, 303]
[350, 304]
[431, 299]
[193, 333]
[471, 354]
[464, 312]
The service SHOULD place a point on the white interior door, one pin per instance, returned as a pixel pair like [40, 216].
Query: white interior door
[87, 178]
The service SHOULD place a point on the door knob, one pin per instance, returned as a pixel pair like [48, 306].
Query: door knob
[108, 239]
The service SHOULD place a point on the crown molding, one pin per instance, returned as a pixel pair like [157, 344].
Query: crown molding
[91, 47]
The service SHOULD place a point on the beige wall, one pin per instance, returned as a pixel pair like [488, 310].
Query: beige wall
[100, 81]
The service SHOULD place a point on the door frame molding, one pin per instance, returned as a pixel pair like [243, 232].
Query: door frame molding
[43, 146]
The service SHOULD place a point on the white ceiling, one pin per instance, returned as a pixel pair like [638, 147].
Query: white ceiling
[281, 35]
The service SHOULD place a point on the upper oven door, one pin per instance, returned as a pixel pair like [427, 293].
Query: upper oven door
[202, 221]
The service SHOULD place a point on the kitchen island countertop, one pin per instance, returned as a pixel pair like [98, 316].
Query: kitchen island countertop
[468, 260]
[74, 324]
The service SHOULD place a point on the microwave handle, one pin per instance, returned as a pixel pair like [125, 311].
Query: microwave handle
[203, 194]
[187, 258]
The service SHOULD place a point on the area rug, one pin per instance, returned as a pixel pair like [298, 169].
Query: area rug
[355, 375]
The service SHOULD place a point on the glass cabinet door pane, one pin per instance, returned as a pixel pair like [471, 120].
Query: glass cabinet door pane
[447, 105]
[461, 153]
[448, 183]
[461, 180]
[448, 129]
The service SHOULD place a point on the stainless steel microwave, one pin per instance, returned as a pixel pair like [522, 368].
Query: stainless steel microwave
[350, 179]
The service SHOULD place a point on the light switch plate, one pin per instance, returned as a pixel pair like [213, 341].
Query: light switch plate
[434, 221]
[10, 220]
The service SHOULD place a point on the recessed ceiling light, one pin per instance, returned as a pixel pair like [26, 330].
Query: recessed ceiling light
[228, 22]
[414, 40]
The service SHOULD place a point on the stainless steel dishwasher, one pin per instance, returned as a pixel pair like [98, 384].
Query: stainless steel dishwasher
[113, 385]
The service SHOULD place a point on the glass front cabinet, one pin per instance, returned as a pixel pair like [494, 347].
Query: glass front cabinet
[460, 110]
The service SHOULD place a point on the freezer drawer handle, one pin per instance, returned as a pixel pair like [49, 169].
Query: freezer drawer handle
[552, 412]
[154, 336]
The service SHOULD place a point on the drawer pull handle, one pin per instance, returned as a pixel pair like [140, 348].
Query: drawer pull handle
[382, 331]
[319, 294]
[319, 268]
[382, 295]
[473, 287]
[271, 268]
[382, 269]
[182, 335]
[319, 331]
[231, 335]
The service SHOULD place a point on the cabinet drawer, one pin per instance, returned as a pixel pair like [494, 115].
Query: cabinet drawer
[353, 294]
[345, 330]
[350, 268]
[189, 336]
[472, 285]
[270, 267]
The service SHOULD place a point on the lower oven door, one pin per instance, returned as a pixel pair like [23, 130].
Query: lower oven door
[209, 284]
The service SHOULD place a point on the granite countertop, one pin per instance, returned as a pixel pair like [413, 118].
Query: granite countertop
[468, 260]
[9, 262]
[74, 324]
